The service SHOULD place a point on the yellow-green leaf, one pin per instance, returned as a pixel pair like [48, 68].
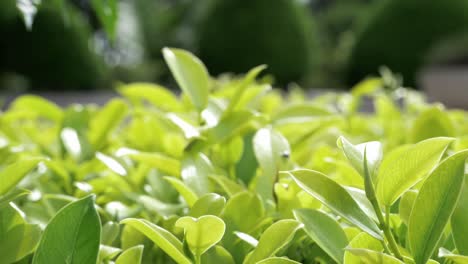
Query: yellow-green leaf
[434, 205]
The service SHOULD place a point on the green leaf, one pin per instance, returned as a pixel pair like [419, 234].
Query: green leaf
[189, 196]
[227, 127]
[132, 255]
[456, 259]
[12, 174]
[39, 106]
[371, 257]
[433, 122]
[159, 161]
[158, 96]
[355, 155]
[72, 236]
[325, 231]
[17, 238]
[278, 260]
[110, 232]
[406, 205]
[106, 253]
[335, 197]
[269, 147]
[107, 11]
[112, 163]
[300, 113]
[243, 85]
[434, 205]
[189, 130]
[201, 233]
[252, 211]
[459, 221]
[190, 74]
[12, 195]
[161, 237]
[275, 237]
[208, 204]
[196, 168]
[217, 254]
[105, 121]
[363, 241]
[409, 168]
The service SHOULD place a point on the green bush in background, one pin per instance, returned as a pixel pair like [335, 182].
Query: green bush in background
[55, 53]
[235, 35]
[399, 34]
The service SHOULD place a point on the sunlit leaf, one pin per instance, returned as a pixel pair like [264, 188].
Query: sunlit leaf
[434, 205]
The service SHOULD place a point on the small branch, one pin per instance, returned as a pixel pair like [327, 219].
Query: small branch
[384, 225]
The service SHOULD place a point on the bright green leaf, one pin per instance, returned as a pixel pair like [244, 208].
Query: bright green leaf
[196, 168]
[408, 169]
[434, 205]
[208, 204]
[459, 221]
[17, 238]
[105, 121]
[325, 231]
[201, 233]
[456, 259]
[371, 257]
[190, 74]
[363, 241]
[277, 260]
[14, 173]
[355, 155]
[269, 147]
[275, 237]
[161, 237]
[158, 96]
[72, 236]
[189, 196]
[335, 197]
[132, 255]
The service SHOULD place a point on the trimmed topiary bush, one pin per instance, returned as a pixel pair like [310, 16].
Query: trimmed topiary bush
[54, 54]
[235, 36]
[399, 34]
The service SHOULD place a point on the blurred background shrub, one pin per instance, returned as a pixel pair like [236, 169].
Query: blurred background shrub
[93, 44]
[235, 36]
[400, 34]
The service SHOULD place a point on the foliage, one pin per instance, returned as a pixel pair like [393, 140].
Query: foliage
[399, 34]
[231, 171]
[54, 52]
[278, 34]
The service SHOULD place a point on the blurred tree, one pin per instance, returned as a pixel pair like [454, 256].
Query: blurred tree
[399, 34]
[234, 36]
[336, 24]
[54, 54]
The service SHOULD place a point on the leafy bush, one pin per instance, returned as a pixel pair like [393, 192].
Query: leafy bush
[54, 54]
[399, 33]
[232, 172]
[236, 36]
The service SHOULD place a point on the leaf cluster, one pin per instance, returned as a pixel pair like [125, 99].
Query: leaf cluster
[233, 171]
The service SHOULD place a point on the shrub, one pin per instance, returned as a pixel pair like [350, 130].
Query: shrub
[235, 36]
[399, 33]
[54, 54]
[232, 172]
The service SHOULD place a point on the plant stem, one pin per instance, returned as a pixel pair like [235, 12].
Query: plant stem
[384, 225]
[198, 259]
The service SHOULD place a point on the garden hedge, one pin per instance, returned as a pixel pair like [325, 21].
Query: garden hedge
[234, 36]
[231, 171]
[54, 54]
[399, 34]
